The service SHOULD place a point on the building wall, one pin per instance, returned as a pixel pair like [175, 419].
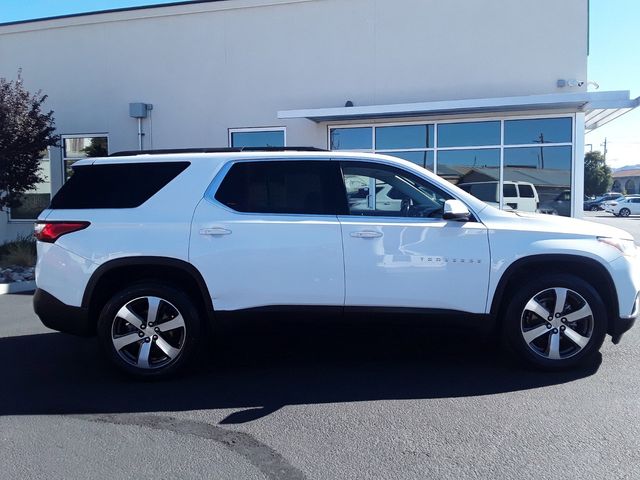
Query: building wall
[213, 66]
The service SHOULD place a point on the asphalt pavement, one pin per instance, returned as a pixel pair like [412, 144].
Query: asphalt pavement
[315, 401]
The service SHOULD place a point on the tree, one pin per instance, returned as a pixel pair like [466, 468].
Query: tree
[25, 132]
[597, 175]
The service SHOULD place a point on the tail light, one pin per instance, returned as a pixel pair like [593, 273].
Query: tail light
[50, 231]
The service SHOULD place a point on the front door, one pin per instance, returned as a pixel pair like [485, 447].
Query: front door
[400, 252]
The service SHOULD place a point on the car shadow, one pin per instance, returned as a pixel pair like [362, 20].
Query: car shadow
[261, 370]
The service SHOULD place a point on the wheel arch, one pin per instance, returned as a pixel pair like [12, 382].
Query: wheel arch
[112, 275]
[590, 270]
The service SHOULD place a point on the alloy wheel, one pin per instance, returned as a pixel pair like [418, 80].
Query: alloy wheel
[557, 323]
[148, 332]
[625, 212]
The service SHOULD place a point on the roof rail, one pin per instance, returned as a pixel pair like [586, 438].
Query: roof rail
[128, 153]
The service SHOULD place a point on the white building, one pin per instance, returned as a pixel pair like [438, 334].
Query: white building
[478, 91]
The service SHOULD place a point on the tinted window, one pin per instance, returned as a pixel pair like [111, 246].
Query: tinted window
[407, 136]
[380, 190]
[125, 185]
[543, 130]
[468, 134]
[509, 190]
[294, 187]
[526, 191]
[360, 138]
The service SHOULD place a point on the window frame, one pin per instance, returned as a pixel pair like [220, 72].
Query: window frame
[231, 131]
[501, 146]
[65, 136]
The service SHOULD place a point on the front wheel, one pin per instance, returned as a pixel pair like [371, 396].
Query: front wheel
[555, 322]
[625, 212]
[149, 330]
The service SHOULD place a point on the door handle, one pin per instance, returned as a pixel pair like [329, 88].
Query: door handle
[366, 234]
[214, 231]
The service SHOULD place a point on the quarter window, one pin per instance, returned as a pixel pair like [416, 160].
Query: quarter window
[289, 187]
[380, 190]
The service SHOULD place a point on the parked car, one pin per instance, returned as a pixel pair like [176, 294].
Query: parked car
[560, 205]
[597, 203]
[521, 196]
[624, 207]
[149, 250]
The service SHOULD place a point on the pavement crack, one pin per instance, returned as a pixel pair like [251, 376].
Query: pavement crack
[271, 463]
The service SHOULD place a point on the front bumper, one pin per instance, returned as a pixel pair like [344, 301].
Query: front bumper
[58, 316]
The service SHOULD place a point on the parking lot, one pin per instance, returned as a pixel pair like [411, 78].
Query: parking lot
[319, 402]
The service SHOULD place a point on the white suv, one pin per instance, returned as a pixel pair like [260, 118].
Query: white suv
[148, 250]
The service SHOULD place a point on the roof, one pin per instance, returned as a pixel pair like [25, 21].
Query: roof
[111, 10]
[600, 107]
[626, 173]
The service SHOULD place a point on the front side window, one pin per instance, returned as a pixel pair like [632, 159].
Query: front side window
[380, 190]
[283, 187]
[78, 147]
[258, 137]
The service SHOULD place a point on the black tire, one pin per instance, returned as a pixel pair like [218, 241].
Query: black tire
[625, 212]
[594, 208]
[515, 317]
[184, 340]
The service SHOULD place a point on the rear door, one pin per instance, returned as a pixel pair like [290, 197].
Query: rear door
[267, 234]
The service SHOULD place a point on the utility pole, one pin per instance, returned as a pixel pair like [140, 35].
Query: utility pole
[605, 148]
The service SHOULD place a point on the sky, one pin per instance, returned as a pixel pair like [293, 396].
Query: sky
[614, 58]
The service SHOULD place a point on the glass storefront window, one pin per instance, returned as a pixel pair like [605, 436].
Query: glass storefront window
[403, 137]
[359, 138]
[469, 165]
[468, 134]
[537, 155]
[36, 200]
[545, 173]
[258, 138]
[424, 158]
[77, 147]
[538, 130]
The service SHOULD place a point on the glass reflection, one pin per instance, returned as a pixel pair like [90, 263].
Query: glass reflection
[539, 130]
[472, 165]
[407, 136]
[544, 171]
[273, 138]
[359, 138]
[424, 159]
[468, 134]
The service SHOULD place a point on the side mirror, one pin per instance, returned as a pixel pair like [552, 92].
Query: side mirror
[456, 210]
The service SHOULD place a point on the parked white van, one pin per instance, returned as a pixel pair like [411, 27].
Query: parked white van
[521, 196]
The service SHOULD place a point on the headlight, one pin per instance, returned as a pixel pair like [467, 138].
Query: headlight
[626, 247]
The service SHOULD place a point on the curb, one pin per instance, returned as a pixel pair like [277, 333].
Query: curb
[17, 287]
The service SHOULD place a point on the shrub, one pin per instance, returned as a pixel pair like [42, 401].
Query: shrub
[20, 252]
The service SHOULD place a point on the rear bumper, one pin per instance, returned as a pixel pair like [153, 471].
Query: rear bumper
[58, 316]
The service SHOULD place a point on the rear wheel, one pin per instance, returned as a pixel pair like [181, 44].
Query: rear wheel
[149, 330]
[555, 322]
[625, 212]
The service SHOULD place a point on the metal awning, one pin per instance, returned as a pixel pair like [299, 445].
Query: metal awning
[600, 107]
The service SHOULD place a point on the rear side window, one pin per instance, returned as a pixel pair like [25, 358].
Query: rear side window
[294, 187]
[526, 191]
[125, 185]
[509, 190]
